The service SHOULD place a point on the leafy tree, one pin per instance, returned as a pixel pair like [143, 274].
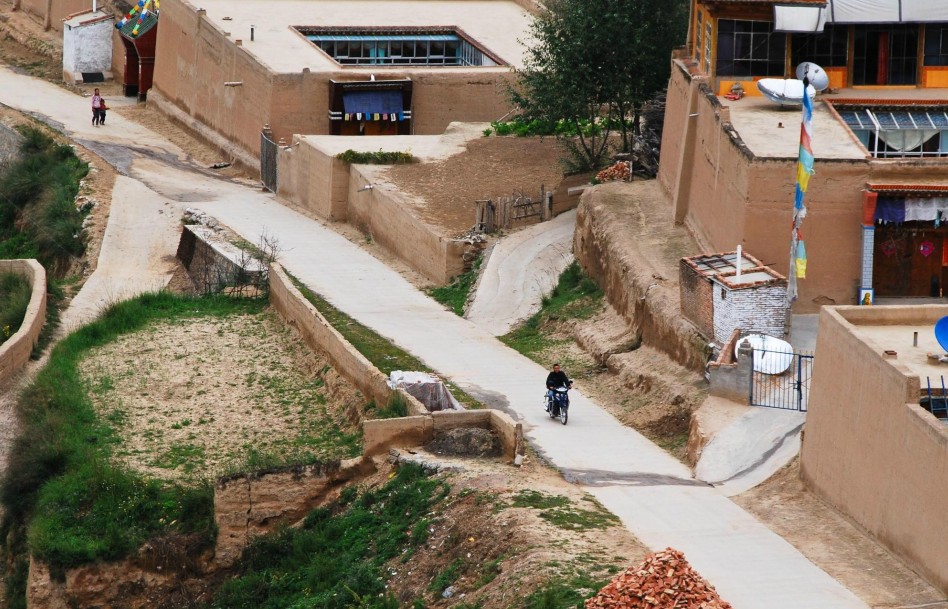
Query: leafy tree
[592, 65]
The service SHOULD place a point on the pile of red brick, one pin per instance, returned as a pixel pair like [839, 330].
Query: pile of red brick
[664, 580]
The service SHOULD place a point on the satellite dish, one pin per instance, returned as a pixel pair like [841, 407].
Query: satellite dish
[941, 332]
[771, 355]
[817, 75]
[787, 92]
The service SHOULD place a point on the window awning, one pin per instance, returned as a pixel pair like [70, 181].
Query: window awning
[807, 19]
[886, 11]
[372, 102]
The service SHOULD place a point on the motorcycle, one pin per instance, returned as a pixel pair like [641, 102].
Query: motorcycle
[557, 405]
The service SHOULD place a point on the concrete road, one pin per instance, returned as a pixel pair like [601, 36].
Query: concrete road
[651, 492]
[522, 268]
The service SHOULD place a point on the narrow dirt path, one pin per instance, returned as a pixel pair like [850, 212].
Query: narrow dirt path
[522, 267]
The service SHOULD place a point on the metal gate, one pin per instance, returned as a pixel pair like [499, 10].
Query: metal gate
[268, 160]
[788, 390]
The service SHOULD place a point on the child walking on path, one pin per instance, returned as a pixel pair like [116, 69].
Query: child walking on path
[98, 109]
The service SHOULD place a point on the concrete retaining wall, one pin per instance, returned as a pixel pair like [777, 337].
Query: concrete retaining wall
[869, 448]
[15, 351]
[379, 435]
[730, 375]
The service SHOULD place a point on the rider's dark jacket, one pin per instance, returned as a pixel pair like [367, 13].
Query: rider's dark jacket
[557, 379]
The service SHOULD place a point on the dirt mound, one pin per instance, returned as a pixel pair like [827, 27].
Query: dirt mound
[466, 442]
[664, 580]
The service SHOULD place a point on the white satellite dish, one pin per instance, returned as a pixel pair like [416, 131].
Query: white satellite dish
[786, 92]
[817, 75]
[771, 355]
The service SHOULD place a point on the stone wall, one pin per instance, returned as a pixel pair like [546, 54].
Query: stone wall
[15, 351]
[10, 141]
[869, 449]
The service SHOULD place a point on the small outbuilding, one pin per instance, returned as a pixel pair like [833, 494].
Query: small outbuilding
[87, 47]
[720, 295]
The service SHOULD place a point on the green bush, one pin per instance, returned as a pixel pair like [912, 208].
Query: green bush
[337, 559]
[38, 215]
[455, 295]
[15, 292]
[64, 500]
[376, 158]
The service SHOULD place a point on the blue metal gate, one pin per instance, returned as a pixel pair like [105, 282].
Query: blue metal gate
[788, 389]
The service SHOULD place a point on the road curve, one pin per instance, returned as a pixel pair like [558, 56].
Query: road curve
[521, 268]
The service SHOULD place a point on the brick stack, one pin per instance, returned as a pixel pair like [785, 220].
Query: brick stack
[619, 171]
[664, 580]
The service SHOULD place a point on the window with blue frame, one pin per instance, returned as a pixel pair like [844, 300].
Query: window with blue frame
[378, 47]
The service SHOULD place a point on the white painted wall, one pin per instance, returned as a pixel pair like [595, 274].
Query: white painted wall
[87, 48]
[762, 309]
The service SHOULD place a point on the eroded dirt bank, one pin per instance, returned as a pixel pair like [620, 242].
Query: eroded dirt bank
[626, 240]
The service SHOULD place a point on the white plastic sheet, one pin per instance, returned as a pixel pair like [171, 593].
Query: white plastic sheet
[428, 389]
[886, 11]
[805, 19]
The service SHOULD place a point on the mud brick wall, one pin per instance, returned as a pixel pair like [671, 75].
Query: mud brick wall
[697, 304]
[379, 435]
[314, 180]
[195, 58]
[15, 351]
[870, 450]
[760, 309]
[319, 334]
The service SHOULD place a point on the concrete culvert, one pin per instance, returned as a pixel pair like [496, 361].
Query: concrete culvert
[466, 442]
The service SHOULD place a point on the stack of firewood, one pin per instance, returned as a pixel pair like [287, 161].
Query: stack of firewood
[664, 580]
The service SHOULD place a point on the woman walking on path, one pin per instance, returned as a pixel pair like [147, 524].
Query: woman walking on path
[98, 105]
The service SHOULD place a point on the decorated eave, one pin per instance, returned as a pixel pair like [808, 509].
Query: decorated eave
[140, 19]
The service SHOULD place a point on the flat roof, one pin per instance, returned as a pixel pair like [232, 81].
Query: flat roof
[494, 24]
[772, 131]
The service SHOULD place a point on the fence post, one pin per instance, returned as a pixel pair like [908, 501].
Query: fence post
[745, 356]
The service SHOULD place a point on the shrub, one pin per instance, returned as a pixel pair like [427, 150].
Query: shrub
[376, 158]
[38, 215]
[15, 292]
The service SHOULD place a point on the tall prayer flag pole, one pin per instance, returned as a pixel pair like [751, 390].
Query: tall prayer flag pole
[804, 171]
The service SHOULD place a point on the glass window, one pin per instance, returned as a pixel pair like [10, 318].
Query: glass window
[936, 44]
[827, 49]
[749, 48]
[707, 49]
[885, 55]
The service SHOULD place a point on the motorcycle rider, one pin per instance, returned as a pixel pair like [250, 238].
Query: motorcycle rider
[556, 378]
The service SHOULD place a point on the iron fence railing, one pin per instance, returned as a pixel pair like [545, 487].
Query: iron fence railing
[786, 389]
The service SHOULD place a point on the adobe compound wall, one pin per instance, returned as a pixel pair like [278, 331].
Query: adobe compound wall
[335, 190]
[196, 58]
[15, 351]
[869, 448]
